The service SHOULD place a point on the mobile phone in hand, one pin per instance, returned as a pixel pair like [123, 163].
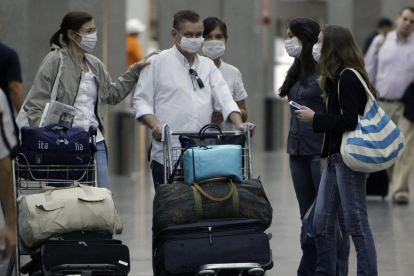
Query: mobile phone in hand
[295, 105]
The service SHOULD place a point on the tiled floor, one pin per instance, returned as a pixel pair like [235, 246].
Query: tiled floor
[392, 225]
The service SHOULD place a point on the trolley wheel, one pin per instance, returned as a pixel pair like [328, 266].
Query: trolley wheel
[256, 271]
[207, 272]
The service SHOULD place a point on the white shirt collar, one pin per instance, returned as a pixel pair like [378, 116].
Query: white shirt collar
[184, 60]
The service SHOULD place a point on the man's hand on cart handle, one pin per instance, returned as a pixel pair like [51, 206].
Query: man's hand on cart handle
[157, 132]
[242, 127]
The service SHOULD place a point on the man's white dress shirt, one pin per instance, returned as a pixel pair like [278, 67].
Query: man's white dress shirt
[233, 78]
[393, 70]
[166, 90]
[85, 104]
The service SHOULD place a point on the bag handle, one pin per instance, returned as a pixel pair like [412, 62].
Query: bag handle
[49, 127]
[53, 95]
[86, 188]
[198, 201]
[204, 193]
[369, 94]
[209, 126]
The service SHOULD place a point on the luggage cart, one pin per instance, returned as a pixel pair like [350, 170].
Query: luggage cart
[172, 154]
[173, 163]
[26, 184]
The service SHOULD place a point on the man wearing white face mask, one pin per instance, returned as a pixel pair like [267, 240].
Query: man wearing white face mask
[215, 38]
[84, 82]
[181, 89]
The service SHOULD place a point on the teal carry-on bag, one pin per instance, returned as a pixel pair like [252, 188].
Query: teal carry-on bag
[206, 162]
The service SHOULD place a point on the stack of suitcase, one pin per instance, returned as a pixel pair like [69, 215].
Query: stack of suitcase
[191, 242]
[73, 253]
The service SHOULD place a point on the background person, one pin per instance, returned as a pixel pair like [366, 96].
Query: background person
[390, 65]
[134, 49]
[11, 76]
[84, 82]
[384, 27]
[8, 141]
[214, 45]
[340, 186]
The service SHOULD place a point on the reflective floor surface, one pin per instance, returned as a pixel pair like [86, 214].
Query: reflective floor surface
[392, 225]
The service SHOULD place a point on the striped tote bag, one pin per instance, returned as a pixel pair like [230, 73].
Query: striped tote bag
[376, 143]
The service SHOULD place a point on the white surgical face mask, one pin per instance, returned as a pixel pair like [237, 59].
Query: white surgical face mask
[191, 45]
[88, 42]
[292, 47]
[214, 48]
[316, 52]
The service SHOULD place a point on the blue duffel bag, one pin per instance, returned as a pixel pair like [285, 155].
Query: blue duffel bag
[206, 162]
[54, 144]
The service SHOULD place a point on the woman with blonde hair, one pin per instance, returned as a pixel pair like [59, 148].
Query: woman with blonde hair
[340, 187]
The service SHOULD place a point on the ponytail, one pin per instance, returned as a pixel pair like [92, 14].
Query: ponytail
[55, 39]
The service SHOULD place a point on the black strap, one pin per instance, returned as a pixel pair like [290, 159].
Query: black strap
[171, 177]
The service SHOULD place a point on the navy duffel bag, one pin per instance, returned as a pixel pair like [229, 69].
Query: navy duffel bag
[54, 144]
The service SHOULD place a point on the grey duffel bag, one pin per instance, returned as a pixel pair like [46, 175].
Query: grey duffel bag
[62, 210]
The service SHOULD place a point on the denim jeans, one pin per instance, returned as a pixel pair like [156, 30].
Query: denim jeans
[102, 165]
[157, 173]
[344, 188]
[306, 175]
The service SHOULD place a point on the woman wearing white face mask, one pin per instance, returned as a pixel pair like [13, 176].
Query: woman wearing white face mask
[304, 145]
[215, 38]
[84, 82]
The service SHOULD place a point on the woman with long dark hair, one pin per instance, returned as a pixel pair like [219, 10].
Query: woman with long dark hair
[340, 187]
[84, 82]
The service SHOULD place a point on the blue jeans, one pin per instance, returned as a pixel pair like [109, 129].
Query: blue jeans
[344, 188]
[102, 165]
[306, 175]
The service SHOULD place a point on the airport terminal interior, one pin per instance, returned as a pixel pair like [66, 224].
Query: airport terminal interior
[255, 46]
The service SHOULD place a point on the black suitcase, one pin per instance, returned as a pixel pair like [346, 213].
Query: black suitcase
[181, 250]
[80, 252]
[377, 184]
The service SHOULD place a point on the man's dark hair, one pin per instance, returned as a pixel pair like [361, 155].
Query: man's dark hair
[411, 8]
[210, 23]
[184, 16]
[384, 22]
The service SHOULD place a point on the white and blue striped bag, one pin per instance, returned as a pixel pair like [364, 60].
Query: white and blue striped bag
[376, 143]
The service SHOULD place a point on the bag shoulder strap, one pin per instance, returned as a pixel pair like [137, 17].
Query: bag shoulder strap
[53, 95]
[361, 79]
